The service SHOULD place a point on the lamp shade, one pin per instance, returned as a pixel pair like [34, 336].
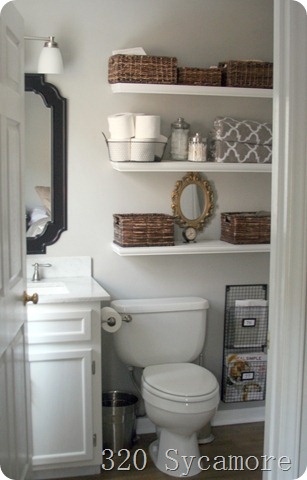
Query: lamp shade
[50, 60]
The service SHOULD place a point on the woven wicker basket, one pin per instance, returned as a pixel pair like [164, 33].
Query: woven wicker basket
[143, 229]
[200, 76]
[142, 69]
[245, 227]
[247, 74]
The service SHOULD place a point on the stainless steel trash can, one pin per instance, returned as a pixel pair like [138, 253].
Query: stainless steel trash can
[118, 420]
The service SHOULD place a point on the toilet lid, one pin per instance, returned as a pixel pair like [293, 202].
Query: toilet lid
[180, 380]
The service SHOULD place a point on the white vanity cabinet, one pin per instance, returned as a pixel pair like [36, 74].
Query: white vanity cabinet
[64, 338]
[64, 357]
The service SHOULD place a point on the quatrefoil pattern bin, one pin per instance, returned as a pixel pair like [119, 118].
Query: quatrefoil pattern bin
[239, 141]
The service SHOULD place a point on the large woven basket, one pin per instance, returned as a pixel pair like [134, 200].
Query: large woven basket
[245, 227]
[200, 76]
[247, 74]
[142, 69]
[143, 229]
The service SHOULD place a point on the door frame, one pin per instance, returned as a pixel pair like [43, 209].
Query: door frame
[285, 422]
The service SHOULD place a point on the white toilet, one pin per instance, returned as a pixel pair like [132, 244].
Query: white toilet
[164, 336]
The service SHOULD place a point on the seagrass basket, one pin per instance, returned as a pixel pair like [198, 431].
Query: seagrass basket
[200, 76]
[142, 69]
[245, 227]
[247, 74]
[143, 229]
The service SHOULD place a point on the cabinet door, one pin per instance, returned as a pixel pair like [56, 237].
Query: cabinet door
[61, 406]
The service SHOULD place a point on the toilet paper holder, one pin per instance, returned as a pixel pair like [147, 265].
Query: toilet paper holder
[111, 321]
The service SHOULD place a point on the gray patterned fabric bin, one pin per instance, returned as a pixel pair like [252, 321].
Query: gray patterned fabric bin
[236, 152]
[240, 141]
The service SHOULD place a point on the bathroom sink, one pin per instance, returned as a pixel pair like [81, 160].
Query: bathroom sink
[46, 288]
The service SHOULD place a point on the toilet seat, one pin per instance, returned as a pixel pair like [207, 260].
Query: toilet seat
[180, 382]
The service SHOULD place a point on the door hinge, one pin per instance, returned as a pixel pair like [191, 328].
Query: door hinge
[93, 367]
[94, 440]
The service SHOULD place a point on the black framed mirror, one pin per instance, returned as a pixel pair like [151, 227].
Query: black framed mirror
[56, 220]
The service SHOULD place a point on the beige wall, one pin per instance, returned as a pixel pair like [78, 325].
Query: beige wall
[198, 33]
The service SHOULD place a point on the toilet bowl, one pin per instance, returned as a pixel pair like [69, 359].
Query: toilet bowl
[180, 399]
[164, 336]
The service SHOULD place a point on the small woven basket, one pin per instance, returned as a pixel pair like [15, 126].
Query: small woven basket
[245, 227]
[143, 229]
[247, 74]
[142, 69]
[200, 76]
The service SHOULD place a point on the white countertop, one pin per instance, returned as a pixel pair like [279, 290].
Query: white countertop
[69, 289]
[65, 279]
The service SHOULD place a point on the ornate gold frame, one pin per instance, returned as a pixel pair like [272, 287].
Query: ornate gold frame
[199, 222]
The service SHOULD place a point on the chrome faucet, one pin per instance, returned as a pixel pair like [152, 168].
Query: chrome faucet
[36, 276]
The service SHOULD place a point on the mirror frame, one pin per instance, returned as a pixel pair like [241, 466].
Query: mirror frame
[192, 178]
[52, 99]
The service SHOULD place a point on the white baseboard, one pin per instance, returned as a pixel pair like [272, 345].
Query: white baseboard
[222, 417]
[144, 425]
[40, 474]
[239, 415]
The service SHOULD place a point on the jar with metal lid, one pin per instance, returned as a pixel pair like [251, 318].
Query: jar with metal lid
[179, 139]
[197, 149]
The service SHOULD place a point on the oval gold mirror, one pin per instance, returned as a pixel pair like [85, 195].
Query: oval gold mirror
[192, 201]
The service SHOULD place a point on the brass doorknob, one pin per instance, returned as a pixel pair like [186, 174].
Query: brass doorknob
[30, 298]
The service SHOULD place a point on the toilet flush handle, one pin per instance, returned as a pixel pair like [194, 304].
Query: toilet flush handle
[127, 318]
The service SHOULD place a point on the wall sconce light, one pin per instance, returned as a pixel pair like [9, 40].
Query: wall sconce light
[50, 60]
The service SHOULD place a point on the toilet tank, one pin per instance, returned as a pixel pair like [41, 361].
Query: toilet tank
[162, 330]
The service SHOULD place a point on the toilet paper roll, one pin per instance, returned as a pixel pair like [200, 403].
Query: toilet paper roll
[147, 126]
[121, 125]
[142, 150]
[110, 320]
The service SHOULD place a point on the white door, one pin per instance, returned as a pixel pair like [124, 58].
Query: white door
[14, 453]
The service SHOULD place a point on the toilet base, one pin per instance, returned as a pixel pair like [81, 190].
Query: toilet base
[176, 455]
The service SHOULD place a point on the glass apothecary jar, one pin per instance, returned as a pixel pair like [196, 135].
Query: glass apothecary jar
[197, 148]
[179, 139]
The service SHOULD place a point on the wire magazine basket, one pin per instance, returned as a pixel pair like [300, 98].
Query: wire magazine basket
[245, 342]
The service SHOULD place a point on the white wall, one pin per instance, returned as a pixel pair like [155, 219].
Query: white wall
[198, 33]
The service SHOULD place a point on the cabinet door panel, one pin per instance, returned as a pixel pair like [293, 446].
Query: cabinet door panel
[61, 406]
[65, 326]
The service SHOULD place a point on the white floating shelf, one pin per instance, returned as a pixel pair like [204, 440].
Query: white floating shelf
[191, 90]
[173, 166]
[201, 247]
